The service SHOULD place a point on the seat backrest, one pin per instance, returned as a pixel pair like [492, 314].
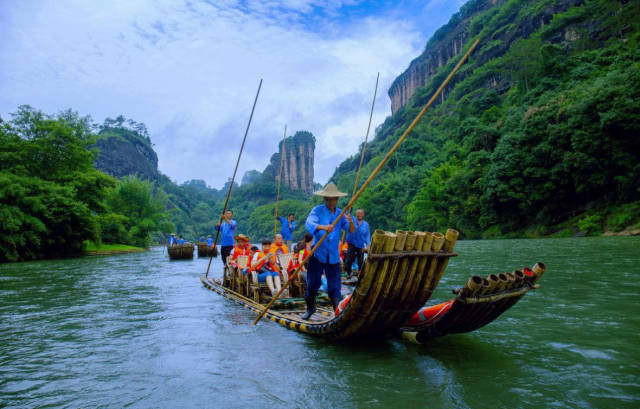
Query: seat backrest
[283, 260]
[242, 261]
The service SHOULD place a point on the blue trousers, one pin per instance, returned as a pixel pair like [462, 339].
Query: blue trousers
[314, 276]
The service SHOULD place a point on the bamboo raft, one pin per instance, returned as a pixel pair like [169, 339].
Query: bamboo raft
[180, 251]
[479, 302]
[401, 272]
[204, 250]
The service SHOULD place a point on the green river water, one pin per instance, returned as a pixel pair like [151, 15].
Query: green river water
[137, 330]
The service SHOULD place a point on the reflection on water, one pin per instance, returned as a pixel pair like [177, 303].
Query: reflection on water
[138, 330]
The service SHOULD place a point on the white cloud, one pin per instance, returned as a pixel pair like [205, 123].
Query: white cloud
[190, 72]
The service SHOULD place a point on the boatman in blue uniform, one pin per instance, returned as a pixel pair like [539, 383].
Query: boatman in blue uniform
[288, 226]
[326, 259]
[227, 230]
[357, 241]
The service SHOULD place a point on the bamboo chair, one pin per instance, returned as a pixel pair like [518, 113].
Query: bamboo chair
[242, 280]
[283, 262]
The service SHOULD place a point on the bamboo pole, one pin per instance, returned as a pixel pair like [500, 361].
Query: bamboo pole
[374, 173]
[275, 222]
[364, 148]
[214, 252]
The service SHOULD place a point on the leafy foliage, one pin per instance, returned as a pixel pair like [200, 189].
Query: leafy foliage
[540, 126]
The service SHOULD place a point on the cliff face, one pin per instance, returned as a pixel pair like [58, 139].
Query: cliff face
[297, 171]
[449, 40]
[123, 153]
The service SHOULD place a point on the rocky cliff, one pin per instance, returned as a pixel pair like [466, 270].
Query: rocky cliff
[123, 152]
[448, 41]
[297, 171]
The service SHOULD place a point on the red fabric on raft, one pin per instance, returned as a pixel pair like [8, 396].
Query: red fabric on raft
[342, 305]
[426, 315]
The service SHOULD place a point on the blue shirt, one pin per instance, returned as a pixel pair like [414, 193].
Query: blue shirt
[180, 241]
[328, 251]
[287, 233]
[209, 241]
[361, 237]
[227, 232]
[171, 240]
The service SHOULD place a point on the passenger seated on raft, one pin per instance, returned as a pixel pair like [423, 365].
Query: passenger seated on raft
[209, 241]
[180, 239]
[266, 269]
[302, 248]
[278, 247]
[242, 248]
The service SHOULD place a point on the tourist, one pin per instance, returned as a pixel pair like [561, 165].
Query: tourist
[209, 241]
[242, 248]
[288, 226]
[227, 228]
[180, 240]
[358, 242]
[278, 246]
[266, 269]
[326, 259]
[302, 249]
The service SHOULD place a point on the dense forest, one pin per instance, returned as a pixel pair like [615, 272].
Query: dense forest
[537, 136]
[53, 200]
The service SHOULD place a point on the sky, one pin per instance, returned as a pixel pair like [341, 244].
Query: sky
[190, 69]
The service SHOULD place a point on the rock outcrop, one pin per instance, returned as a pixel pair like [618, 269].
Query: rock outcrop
[297, 171]
[448, 41]
[123, 152]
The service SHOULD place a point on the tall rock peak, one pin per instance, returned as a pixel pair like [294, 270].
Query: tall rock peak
[297, 171]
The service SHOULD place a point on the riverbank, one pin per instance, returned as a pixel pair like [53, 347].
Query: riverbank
[108, 249]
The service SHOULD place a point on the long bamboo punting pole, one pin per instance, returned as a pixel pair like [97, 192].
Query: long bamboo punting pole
[364, 146]
[214, 253]
[275, 222]
[374, 173]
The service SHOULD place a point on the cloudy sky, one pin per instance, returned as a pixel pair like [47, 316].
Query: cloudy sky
[189, 70]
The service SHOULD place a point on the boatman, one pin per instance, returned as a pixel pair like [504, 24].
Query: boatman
[357, 241]
[227, 229]
[288, 226]
[326, 259]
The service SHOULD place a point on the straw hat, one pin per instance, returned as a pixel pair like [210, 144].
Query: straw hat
[331, 190]
[242, 237]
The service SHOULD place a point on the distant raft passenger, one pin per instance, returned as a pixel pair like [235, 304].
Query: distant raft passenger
[227, 229]
[326, 259]
[209, 241]
[358, 242]
[181, 240]
[288, 226]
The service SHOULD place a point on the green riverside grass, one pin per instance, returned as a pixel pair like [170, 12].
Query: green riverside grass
[92, 249]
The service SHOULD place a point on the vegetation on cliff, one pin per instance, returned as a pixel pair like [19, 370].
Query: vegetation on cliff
[52, 199]
[539, 138]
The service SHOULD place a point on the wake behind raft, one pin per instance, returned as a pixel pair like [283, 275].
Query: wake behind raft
[400, 275]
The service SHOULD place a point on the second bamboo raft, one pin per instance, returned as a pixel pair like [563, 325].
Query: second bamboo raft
[180, 251]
